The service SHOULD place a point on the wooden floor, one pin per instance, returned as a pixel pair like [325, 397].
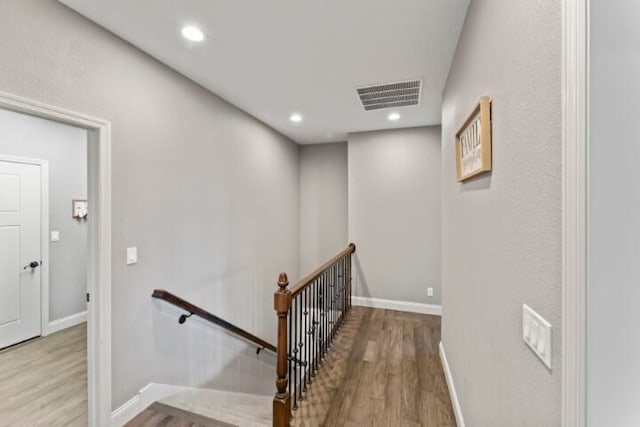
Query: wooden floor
[43, 382]
[159, 414]
[383, 370]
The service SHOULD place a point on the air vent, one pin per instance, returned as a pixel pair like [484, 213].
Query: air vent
[390, 95]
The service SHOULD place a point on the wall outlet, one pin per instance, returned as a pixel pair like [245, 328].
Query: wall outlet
[55, 236]
[536, 332]
[430, 292]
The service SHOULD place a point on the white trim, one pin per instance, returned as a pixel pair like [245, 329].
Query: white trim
[66, 322]
[457, 409]
[126, 412]
[44, 234]
[411, 307]
[99, 263]
[575, 71]
[150, 393]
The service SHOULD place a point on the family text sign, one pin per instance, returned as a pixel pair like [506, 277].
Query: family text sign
[473, 142]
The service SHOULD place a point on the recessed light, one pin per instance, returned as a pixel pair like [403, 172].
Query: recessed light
[192, 33]
[295, 118]
[394, 116]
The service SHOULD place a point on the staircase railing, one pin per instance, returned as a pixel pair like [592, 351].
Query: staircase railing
[309, 316]
[195, 310]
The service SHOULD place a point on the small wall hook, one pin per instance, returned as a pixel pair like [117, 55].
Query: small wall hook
[183, 318]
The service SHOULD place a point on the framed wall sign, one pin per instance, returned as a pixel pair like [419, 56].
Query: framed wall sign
[473, 142]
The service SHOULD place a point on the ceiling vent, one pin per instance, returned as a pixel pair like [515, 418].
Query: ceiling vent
[390, 95]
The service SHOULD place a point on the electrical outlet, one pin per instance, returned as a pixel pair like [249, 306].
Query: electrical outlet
[536, 332]
[430, 292]
[55, 236]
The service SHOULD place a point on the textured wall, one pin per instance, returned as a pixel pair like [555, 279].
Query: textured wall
[323, 203]
[65, 148]
[502, 237]
[613, 341]
[394, 213]
[208, 194]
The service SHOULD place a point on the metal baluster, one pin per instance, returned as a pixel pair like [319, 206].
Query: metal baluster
[340, 292]
[343, 268]
[291, 360]
[333, 299]
[337, 267]
[316, 319]
[305, 335]
[313, 329]
[321, 313]
[325, 312]
[349, 278]
[339, 299]
[337, 307]
[294, 351]
[329, 306]
[308, 338]
[312, 344]
[328, 291]
[300, 345]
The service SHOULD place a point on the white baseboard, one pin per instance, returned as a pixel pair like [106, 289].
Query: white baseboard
[126, 412]
[66, 322]
[411, 307]
[457, 410]
[150, 393]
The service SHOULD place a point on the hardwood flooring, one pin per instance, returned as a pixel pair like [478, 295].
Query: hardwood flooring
[43, 382]
[383, 370]
[159, 414]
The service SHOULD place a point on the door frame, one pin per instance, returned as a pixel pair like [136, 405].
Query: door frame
[575, 202]
[44, 233]
[99, 243]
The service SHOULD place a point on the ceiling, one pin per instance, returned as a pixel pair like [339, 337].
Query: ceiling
[273, 58]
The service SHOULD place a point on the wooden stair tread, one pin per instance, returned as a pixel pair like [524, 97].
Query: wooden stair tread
[159, 414]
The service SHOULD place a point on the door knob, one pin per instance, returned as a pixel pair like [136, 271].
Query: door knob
[32, 264]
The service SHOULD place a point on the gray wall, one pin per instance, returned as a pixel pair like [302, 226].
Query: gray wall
[501, 236]
[323, 203]
[394, 213]
[65, 148]
[613, 357]
[208, 194]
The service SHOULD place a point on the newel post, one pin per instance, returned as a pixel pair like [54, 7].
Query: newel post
[282, 399]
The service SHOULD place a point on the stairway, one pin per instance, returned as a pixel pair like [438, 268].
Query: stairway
[310, 316]
[207, 408]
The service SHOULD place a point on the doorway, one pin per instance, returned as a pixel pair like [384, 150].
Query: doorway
[22, 190]
[97, 259]
[43, 280]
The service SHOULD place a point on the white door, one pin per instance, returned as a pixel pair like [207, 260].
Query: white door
[20, 199]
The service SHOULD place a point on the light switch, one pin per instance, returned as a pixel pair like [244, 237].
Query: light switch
[536, 332]
[55, 236]
[132, 255]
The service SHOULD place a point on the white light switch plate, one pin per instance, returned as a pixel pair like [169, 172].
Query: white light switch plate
[132, 255]
[55, 236]
[536, 332]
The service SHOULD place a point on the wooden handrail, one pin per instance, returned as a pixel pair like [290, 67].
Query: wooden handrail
[308, 279]
[193, 309]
